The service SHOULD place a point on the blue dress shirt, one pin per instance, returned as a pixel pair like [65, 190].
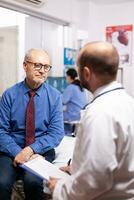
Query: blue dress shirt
[48, 119]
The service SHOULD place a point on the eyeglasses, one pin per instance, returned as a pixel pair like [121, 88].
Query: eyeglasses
[38, 66]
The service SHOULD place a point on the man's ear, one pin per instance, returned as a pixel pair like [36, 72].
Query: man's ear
[24, 66]
[87, 73]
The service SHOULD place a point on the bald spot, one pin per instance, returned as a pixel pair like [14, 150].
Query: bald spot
[38, 56]
[101, 58]
[103, 50]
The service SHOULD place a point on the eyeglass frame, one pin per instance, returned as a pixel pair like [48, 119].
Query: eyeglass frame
[41, 65]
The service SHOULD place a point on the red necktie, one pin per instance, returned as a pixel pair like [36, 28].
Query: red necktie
[30, 121]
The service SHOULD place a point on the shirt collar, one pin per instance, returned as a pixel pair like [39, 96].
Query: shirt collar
[26, 89]
[106, 88]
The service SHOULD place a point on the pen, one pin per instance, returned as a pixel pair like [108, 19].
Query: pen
[69, 162]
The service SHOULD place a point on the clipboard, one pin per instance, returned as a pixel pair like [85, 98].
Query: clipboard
[43, 169]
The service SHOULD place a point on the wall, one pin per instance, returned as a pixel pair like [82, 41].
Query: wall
[71, 12]
[11, 35]
[102, 15]
[76, 12]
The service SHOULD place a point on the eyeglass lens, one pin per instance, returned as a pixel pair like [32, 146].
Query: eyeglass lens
[39, 66]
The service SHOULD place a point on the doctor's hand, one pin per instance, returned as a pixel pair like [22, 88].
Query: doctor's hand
[52, 183]
[66, 169]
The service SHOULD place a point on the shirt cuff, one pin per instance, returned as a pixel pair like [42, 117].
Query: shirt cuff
[15, 151]
[60, 186]
[36, 148]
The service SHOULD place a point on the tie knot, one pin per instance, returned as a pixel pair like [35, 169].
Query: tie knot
[32, 93]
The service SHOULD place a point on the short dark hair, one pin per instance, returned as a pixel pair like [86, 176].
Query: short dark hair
[103, 61]
[72, 73]
[74, 76]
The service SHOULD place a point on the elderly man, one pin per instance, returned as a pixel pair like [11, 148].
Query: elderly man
[103, 160]
[31, 123]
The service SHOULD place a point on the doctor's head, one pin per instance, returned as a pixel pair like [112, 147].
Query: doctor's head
[97, 64]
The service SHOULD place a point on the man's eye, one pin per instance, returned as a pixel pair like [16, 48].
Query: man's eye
[46, 66]
[37, 65]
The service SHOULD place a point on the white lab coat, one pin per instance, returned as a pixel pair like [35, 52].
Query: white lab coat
[103, 160]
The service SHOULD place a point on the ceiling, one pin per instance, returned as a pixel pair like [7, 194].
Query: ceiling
[108, 1]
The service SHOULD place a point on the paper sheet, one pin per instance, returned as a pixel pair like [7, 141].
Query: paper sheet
[43, 168]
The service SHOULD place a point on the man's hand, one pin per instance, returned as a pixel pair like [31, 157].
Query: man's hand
[35, 156]
[52, 183]
[23, 156]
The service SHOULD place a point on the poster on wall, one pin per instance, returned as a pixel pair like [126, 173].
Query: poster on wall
[69, 56]
[121, 38]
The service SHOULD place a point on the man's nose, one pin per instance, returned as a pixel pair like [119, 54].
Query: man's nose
[42, 70]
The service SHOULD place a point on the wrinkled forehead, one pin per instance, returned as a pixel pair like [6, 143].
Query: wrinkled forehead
[38, 56]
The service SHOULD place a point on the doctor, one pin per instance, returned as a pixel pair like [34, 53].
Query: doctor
[103, 160]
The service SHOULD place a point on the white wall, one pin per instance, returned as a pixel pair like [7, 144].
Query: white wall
[11, 35]
[73, 11]
[103, 15]
[76, 12]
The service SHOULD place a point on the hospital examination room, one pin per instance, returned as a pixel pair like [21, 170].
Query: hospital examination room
[66, 100]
